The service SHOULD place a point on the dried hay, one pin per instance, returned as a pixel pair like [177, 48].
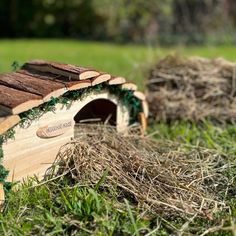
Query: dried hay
[192, 89]
[160, 177]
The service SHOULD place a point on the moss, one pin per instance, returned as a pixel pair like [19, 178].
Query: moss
[3, 171]
[126, 97]
[134, 105]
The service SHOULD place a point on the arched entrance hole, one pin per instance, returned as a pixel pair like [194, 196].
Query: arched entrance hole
[97, 111]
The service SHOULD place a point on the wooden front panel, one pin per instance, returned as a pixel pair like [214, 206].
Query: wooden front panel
[31, 154]
[34, 149]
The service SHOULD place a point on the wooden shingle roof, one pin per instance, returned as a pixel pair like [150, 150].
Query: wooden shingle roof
[37, 81]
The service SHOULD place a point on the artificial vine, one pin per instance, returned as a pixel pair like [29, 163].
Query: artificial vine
[126, 96]
[3, 171]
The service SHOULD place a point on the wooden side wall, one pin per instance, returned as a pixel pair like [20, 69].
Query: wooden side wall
[29, 155]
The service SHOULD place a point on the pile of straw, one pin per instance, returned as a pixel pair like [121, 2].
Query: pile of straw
[192, 89]
[159, 177]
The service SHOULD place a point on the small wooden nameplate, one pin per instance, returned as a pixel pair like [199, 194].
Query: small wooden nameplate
[55, 129]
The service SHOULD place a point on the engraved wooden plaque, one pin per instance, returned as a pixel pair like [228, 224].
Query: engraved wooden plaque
[55, 129]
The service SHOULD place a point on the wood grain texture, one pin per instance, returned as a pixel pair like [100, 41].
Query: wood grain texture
[116, 80]
[100, 79]
[8, 122]
[68, 70]
[45, 89]
[78, 84]
[129, 86]
[143, 122]
[35, 163]
[29, 154]
[16, 101]
[139, 95]
[145, 108]
[68, 83]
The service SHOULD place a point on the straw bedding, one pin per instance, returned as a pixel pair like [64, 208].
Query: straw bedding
[192, 89]
[160, 177]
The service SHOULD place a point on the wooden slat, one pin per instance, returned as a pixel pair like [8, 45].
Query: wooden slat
[143, 122]
[139, 95]
[100, 79]
[70, 84]
[68, 70]
[27, 154]
[4, 113]
[16, 101]
[79, 84]
[116, 80]
[33, 163]
[88, 74]
[145, 108]
[8, 122]
[30, 84]
[129, 86]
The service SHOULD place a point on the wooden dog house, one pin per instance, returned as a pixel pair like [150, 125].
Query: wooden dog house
[41, 103]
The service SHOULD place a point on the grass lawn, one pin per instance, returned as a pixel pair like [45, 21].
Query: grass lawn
[56, 208]
[128, 61]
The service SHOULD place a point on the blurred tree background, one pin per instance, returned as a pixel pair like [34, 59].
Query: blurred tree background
[138, 21]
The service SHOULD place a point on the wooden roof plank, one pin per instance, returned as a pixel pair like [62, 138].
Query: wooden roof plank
[129, 86]
[38, 81]
[65, 81]
[72, 71]
[100, 79]
[30, 84]
[115, 80]
[141, 96]
[15, 101]
[79, 85]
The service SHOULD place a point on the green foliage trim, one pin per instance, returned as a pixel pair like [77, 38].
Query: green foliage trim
[126, 96]
[3, 171]
[134, 105]
[15, 66]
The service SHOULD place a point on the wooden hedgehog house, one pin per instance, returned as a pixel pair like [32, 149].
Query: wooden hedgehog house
[42, 102]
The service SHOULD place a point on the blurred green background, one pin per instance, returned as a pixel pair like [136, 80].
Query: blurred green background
[122, 37]
[138, 21]
[130, 61]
